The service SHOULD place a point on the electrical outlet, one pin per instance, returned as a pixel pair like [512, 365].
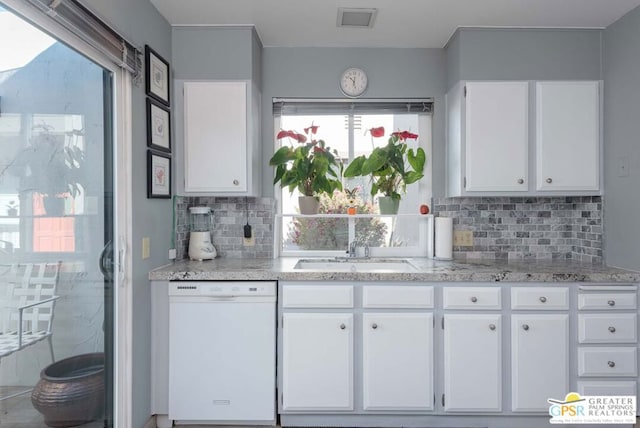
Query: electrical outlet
[249, 242]
[146, 247]
[463, 238]
[172, 254]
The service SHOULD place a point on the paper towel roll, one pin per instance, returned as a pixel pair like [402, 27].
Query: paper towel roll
[430, 235]
[444, 238]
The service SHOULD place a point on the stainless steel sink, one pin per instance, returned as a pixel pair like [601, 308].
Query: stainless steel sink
[341, 264]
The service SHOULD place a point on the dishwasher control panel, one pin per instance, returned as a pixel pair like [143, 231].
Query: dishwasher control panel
[222, 288]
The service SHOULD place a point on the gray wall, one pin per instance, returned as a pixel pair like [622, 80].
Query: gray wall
[544, 54]
[142, 24]
[314, 73]
[621, 130]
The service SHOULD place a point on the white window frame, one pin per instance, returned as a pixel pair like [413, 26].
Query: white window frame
[122, 127]
[424, 190]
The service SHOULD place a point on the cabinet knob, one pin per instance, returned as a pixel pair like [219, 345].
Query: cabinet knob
[492, 327]
[543, 299]
[611, 303]
[612, 329]
[525, 327]
[236, 182]
[374, 326]
[611, 364]
[474, 299]
[549, 180]
[342, 326]
[520, 181]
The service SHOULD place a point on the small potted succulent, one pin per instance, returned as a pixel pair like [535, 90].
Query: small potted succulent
[391, 168]
[308, 165]
[12, 209]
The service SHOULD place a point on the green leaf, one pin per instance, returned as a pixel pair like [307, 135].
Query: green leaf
[374, 162]
[355, 167]
[412, 177]
[417, 160]
[280, 157]
[280, 170]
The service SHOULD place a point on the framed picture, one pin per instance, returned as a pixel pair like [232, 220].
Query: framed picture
[157, 76]
[158, 126]
[158, 175]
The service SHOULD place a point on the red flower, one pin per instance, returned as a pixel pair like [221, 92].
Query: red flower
[291, 134]
[404, 135]
[313, 128]
[317, 149]
[377, 132]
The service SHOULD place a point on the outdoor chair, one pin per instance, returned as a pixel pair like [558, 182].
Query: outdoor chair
[27, 302]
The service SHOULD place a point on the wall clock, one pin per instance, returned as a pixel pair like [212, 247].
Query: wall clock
[353, 82]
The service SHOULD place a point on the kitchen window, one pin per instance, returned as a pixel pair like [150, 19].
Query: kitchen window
[344, 126]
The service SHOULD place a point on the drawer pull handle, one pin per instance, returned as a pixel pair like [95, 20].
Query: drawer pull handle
[492, 327]
[611, 303]
[543, 299]
[342, 326]
[236, 182]
[611, 364]
[520, 181]
[525, 327]
[374, 326]
[612, 329]
[474, 299]
[549, 180]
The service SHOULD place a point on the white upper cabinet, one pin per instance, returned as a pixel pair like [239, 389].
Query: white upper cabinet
[500, 140]
[496, 136]
[218, 143]
[568, 135]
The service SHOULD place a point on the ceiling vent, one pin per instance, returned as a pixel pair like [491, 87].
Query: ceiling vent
[356, 18]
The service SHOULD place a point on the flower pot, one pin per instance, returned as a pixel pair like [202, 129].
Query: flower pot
[53, 206]
[388, 205]
[70, 392]
[308, 204]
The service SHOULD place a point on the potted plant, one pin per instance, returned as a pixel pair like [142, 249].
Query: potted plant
[311, 167]
[391, 168]
[51, 167]
[12, 209]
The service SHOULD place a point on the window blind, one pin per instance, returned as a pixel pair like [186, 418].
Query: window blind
[296, 107]
[89, 27]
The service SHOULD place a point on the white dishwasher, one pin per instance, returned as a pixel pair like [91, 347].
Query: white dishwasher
[222, 352]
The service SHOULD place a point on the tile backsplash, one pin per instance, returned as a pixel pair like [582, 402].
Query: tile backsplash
[230, 214]
[517, 228]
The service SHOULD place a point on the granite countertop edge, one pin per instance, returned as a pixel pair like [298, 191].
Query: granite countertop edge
[427, 270]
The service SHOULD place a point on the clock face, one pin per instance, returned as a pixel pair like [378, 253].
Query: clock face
[353, 82]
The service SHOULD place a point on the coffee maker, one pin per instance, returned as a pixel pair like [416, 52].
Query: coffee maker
[200, 226]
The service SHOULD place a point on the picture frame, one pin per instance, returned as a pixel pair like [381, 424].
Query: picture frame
[157, 77]
[158, 175]
[158, 126]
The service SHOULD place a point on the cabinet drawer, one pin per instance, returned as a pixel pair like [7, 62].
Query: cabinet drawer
[471, 298]
[607, 362]
[607, 301]
[317, 296]
[397, 296]
[607, 328]
[607, 388]
[540, 298]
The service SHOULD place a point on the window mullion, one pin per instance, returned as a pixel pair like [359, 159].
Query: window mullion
[351, 223]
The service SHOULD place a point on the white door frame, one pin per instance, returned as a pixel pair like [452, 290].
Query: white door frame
[122, 130]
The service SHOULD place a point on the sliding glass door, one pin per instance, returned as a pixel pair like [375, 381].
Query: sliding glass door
[57, 226]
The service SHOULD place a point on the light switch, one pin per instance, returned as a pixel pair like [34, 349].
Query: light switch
[146, 247]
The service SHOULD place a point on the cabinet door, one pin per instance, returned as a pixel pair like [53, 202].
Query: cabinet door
[215, 137]
[473, 362]
[317, 361]
[539, 360]
[496, 136]
[397, 361]
[567, 136]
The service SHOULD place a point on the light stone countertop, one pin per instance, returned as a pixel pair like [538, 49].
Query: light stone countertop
[427, 270]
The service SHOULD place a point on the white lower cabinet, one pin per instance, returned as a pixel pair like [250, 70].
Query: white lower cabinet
[472, 357]
[539, 360]
[317, 366]
[397, 361]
